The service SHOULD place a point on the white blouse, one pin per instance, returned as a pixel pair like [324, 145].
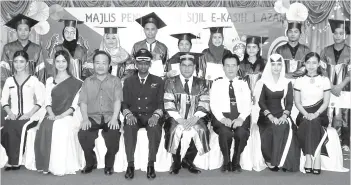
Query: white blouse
[311, 93]
[23, 97]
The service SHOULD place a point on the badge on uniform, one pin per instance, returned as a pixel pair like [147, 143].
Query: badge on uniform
[153, 85]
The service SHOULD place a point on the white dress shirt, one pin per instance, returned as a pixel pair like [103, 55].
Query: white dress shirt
[220, 101]
[175, 114]
[143, 78]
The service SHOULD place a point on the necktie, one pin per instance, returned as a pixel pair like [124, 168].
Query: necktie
[231, 91]
[142, 81]
[186, 86]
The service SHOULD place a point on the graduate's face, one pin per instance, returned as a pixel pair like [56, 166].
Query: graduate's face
[230, 68]
[184, 46]
[187, 68]
[19, 63]
[252, 49]
[276, 68]
[111, 41]
[294, 34]
[101, 64]
[338, 35]
[70, 33]
[150, 30]
[312, 65]
[60, 63]
[23, 31]
[143, 66]
[217, 39]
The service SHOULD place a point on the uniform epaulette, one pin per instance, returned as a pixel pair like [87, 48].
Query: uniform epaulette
[217, 78]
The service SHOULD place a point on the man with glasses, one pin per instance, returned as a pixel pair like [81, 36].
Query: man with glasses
[142, 107]
[186, 100]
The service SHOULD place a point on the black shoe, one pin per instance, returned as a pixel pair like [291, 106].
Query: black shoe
[129, 173]
[88, 169]
[108, 170]
[237, 168]
[274, 169]
[8, 168]
[150, 174]
[308, 170]
[191, 166]
[16, 167]
[225, 167]
[316, 171]
[174, 168]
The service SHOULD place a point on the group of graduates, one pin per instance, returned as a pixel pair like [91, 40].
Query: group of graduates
[123, 91]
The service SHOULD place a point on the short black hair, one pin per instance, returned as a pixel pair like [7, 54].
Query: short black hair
[230, 55]
[101, 52]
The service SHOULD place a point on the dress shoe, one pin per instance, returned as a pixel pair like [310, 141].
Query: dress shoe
[108, 170]
[308, 170]
[225, 167]
[236, 168]
[8, 168]
[191, 166]
[129, 173]
[88, 169]
[316, 171]
[16, 167]
[174, 168]
[150, 174]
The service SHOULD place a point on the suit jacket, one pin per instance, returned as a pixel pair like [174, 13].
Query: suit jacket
[143, 98]
[175, 97]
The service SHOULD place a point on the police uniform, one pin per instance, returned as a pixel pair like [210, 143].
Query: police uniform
[142, 98]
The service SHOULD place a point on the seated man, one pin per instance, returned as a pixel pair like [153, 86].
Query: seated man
[100, 103]
[187, 103]
[142, 107]
[230, 101]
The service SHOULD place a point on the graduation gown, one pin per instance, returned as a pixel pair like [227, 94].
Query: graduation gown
[36, 61]
[208, 58]
[289, 57]
[178, 101]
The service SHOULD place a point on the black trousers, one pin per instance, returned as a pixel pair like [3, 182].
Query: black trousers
[225, 134]
[153, 133]
[87, 141]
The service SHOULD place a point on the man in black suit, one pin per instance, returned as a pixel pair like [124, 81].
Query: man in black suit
[142, 107]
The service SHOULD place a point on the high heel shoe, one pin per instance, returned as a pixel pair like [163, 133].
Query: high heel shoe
[316, 171]
[308, 170]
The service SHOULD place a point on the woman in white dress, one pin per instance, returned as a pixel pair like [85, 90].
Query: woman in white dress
[25, 93]
[312, 95]
[56, 142]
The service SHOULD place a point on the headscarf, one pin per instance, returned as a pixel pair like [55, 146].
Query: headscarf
[118, 54]
[70, 45]
[216, 51]
[267, 77]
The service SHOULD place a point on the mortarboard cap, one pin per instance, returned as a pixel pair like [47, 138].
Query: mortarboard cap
[218, 29]
[343, 24]
[71, 22]
[110, 30]
[143, 55]
[184, 36]
[151, 18]
[295, 24]
[21, 19]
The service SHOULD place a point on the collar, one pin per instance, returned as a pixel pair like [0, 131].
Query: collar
[312, 76]
[182, 79]
[227, 79]
[297, 45]
[339, 50]
[143, 78]
[21, 43]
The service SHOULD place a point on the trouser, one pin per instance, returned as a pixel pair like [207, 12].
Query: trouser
[87, 141]
[153, 133]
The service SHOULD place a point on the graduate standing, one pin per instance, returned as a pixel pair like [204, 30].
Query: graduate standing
[142, 108]
[78, 54]
[22, 24]
[293, 51]
[187, 103]
[151, 24]
[230, 101]
[339, 54]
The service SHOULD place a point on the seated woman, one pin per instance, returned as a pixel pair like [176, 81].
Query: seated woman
[312, 95]
[56, 142]
[279, 143]
[26, 95]
[121, 64]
